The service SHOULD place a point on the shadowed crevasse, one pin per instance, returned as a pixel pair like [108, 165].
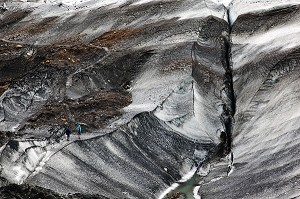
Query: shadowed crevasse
[211, 68]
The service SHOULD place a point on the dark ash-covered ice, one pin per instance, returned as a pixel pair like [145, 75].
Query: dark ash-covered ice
[175, 98]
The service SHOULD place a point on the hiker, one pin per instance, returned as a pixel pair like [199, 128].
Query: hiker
[68, 132]
[79, 130]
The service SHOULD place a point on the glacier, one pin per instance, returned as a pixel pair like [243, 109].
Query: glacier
[177, 99]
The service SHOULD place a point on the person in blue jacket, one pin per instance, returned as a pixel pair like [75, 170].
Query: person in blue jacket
[79, 130]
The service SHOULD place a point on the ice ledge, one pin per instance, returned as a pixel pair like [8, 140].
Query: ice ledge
[241, 7]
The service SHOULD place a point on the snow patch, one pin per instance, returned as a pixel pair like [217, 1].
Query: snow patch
[143, 2]
[204, 170]
[189, 175]
[195, 192]
[19, 174]
[249, 6]
[224, 2]
[280, 38]
[216, 179]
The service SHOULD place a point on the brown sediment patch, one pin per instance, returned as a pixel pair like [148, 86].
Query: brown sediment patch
[42, 26]
[114, 37]
[73, 40]
[16, 59]
[3, 87]
[94, 110]
[62, 56]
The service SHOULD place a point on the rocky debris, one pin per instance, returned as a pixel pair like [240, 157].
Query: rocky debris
[3, 88]
[178, 65]
[63, 56]
[19, 59]
[63, 72]
[10, 17]
[5, 137]
[95, 110]
[23, 191]
[176, 195]
[24, 30]
[16, 60]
